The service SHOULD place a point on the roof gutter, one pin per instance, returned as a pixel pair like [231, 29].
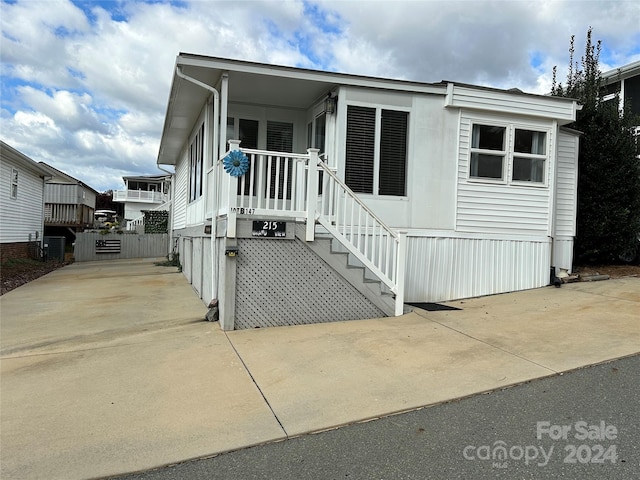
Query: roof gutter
[216, 101]
[214, 153]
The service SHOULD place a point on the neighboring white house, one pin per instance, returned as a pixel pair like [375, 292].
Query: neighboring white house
[21, 204]
[146, 192]
[432, 191]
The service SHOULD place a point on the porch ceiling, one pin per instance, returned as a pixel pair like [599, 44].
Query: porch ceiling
[187, 98]
[257, 84]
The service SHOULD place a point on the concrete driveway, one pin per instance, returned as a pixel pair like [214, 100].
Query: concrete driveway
[107, 367]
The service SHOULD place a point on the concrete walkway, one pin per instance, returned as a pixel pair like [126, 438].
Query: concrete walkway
[107, 367]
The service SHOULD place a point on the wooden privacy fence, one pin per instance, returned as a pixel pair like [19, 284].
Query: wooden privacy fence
[96, 246]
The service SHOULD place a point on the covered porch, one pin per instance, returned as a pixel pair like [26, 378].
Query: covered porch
[304, 189]
[284, 123]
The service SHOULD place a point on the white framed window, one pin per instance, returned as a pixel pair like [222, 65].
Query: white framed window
[316, 132]
[529, 156]
[488, 152]
[14, 183]
[508, 154]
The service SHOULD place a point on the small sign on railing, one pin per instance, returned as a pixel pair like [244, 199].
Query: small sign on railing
[266, 228]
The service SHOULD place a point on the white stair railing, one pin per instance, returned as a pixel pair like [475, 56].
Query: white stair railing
[301, 186]
[362, 233]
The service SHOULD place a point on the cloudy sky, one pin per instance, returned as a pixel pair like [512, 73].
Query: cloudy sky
[85, 83]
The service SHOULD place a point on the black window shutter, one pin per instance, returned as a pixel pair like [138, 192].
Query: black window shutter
[393, 153]
[360, 150]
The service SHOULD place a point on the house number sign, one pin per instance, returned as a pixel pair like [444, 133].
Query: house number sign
[266, 228]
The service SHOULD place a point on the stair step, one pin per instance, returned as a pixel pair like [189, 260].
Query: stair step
[364, 280]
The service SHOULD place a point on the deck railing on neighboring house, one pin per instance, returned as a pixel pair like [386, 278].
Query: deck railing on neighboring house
[303, 187]
[138, 196]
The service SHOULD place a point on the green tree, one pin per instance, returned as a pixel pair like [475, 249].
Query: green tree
[608, 221]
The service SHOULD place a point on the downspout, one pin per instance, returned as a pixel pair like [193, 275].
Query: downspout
[214, 150]
[553, 192]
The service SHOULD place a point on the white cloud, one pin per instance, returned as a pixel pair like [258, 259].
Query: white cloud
[87, 91]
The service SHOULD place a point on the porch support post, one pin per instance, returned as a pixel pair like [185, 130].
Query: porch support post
[227, 294]
[312, 193]
[233, 196]
[400, 270]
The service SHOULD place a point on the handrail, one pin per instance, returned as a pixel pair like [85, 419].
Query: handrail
[249, 151]
[330, 171]
[302, 185]
[363, 233]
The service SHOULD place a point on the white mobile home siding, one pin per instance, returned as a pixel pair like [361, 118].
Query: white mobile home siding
[489, 100]
[566, 185]
[180, 195]
[23, 215]
[566, 200]
[491, 207]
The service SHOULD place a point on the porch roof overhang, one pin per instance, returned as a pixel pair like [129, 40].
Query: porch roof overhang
[255, 84]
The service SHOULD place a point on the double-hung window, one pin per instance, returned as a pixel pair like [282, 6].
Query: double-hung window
[508, 154]
[376, 150]
[529, 156]
[488, 152]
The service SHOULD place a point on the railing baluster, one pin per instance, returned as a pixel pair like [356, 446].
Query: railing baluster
[388, 255]
[252, 184]
[344, 216]
[258, 166]
[366, 234]
[285, 183]
[294, 183]
[276, 183]
[242, 183]
[268, 189]
[359, 232]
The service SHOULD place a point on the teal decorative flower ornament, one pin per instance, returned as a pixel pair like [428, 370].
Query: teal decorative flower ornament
[236, 163]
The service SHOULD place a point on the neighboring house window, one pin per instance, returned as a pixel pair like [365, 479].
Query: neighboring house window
[491, 146]
[376, 166]
[196, 160]
[14, 183]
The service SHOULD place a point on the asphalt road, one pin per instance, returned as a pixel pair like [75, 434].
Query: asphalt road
[584, 424]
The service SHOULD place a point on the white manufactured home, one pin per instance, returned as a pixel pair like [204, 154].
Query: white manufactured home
[303, 196]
